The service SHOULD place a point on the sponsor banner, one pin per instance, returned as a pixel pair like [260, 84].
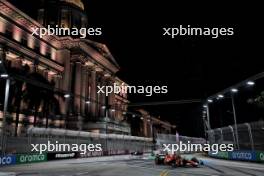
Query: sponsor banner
[7, 160]
[260, 156]
[30, 158]
[92, 154]
[223, 155]
[63, 155]
[243, 155]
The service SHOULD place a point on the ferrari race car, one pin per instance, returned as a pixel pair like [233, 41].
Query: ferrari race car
[176, 160]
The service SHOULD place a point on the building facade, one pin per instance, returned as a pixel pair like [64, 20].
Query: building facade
[54, 79]
[144, 124]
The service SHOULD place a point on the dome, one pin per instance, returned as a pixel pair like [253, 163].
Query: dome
[77, 3]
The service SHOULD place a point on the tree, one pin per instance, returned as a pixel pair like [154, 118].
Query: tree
[27, 91]
[41, 99]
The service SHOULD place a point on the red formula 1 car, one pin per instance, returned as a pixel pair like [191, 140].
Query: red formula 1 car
[176, 160]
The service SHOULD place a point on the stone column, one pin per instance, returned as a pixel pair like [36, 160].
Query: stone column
[66, 78]
[99, 96]
[77, 88]
[58, 86]
[111, 99]
[88, 93]
[77, 95]
[2, 53]
[83, 90]
[93, 93]
[103, 98]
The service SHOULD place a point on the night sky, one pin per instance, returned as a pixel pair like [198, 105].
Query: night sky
[192, 67]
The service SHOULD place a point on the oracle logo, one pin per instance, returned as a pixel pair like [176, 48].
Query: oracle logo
[7, 160]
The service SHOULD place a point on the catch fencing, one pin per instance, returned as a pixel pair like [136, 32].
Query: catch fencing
[173, 139]
[248, 136]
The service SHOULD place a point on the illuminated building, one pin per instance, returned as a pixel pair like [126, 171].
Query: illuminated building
[65, 13]
[144, 124]
[69, 69]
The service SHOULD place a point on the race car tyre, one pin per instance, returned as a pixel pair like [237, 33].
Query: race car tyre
[195, 160]
[157, 161]
[174, 165]
[184, 162]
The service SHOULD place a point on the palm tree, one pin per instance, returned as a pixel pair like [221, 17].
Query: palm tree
[15, 92]
[34, 96]
[40, 98]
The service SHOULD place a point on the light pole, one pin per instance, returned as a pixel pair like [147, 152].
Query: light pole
[208, 116]
[67, 97]
[4, 115]
[235, 118]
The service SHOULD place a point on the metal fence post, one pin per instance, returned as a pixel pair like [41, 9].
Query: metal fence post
[208, 117]
[221, 134]
[250, 136]
[233, 134]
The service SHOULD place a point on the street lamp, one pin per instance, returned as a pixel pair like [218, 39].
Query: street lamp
[88, 102]
[220, 96]
[235, 119]
[4, 75]
[234, 90]
[67, 96]
[250, 83]
[210, 100]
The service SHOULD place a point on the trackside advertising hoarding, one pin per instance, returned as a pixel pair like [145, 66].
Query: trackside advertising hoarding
[240, 155]
[223, 155]
[7, 160]
[260, 156]
[243, 155]
[30, 158]
[63, 155]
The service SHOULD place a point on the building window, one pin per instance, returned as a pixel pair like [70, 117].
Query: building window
[48, 54]
[37, 47]
[9, 34]
[24, 42]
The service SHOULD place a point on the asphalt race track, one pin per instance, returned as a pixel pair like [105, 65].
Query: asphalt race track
[131, 166]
